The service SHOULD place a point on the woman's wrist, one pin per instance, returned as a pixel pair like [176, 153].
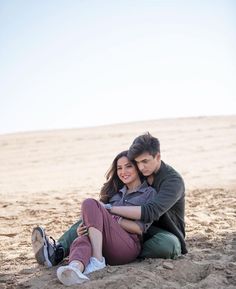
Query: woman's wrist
[108, 207]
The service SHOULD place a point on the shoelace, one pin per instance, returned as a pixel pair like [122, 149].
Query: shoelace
[54, 243]
[58, 250]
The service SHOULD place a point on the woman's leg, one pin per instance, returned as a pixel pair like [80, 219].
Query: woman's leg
[118, 246]
[80, 253]
[95, 237]
[81, 250]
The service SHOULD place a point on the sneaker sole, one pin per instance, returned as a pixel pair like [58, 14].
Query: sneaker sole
[70, 276]
[40, 247]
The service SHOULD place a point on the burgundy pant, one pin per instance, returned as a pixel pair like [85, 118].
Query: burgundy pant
[118, 246]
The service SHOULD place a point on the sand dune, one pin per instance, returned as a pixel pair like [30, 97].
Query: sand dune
[45, 175]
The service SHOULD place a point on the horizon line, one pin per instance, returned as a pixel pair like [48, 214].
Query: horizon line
[111, 124]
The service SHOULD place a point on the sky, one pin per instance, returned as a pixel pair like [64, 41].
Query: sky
[81, 63]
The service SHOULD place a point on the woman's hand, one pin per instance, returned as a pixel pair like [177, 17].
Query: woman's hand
[82, 230]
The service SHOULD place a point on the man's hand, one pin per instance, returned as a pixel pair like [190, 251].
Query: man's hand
[82, 230]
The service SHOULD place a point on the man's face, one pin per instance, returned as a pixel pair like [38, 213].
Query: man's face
[148, 164]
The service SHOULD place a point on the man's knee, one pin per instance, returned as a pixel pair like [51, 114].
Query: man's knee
[162, 245]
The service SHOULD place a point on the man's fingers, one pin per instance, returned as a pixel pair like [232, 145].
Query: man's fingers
[82, 230]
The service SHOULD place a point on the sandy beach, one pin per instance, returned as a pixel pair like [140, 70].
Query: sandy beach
[45, 175]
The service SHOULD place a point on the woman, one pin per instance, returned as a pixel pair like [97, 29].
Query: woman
[104, 236]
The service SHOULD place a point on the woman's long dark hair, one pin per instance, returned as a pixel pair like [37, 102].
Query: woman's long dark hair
[113, 183]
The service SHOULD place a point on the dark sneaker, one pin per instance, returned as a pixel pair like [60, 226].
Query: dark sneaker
[46, 252]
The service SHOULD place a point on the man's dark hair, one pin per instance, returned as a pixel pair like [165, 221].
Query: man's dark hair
[142, 144]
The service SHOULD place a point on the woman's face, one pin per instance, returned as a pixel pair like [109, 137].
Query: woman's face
[126, 171]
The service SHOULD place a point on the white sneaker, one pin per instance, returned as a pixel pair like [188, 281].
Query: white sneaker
[94, 265]
[70, 275]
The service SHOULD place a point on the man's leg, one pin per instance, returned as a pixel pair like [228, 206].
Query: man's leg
[48, 252]
[68, 237]
[162, 244]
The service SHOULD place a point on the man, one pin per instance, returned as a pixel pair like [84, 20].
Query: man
[165, 238]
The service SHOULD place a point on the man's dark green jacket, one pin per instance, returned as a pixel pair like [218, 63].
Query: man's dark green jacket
[167, 210]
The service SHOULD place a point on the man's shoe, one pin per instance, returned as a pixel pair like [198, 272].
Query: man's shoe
[46, 252]
[94, 265]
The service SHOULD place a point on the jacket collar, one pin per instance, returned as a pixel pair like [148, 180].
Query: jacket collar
[140, 189]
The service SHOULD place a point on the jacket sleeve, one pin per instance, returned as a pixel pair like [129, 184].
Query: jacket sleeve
[150, 195]
[143, 226]
[170, 191]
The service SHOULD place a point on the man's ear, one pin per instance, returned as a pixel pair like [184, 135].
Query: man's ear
[158, 156]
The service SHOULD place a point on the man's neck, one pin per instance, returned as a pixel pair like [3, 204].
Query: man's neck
[150, 179]
[158, 167]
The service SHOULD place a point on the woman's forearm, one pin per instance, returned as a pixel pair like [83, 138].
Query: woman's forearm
[129, 212]
[130, 226]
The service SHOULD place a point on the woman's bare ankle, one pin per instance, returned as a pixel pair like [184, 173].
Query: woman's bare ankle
[77, 264]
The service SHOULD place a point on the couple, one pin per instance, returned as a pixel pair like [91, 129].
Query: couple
[140, 214]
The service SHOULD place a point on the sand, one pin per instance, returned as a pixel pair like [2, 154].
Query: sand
[45, 175]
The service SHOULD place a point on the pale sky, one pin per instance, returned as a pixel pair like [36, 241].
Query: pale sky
[76, 63]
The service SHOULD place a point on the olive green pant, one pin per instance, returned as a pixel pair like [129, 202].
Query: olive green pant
[68, 237]
[159, 243]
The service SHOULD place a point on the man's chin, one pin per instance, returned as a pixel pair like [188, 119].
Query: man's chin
[146, 174]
